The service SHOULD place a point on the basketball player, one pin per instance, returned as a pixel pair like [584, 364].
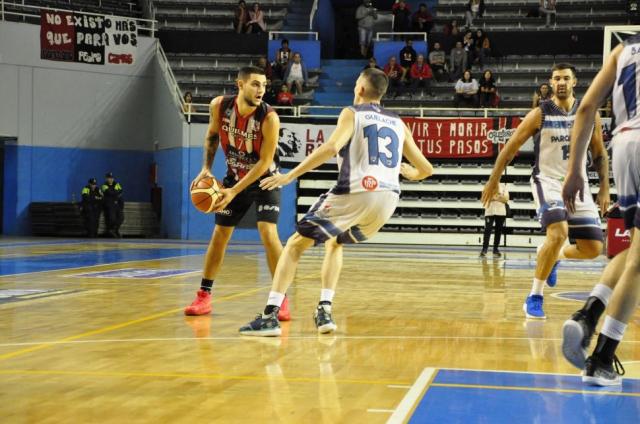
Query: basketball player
[248, 129]
[369, 142]
[619, 290]
[550, 124]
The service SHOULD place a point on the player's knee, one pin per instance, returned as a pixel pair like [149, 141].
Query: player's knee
[591, 249]
[221, 236]
[332, 245]
[268, 231]
[556, 238]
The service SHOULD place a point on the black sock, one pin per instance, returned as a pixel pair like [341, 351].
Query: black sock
[606, 348]
[324, 302]
[593, 310]
[206, 285]
[268, 310]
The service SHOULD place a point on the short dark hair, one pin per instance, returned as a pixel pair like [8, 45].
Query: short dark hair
[246, 71]
[562, 67]
[284, 40]
[377, 80]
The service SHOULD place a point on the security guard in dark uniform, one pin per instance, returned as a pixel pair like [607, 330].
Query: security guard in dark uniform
[113, 205]
[91, 207]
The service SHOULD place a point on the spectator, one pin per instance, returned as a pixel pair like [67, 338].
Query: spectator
[372, 64]
[113, 205]
[548, 8]
[285, 99]
[256, 24]
[451, 35]
[438, 60]
[91, 207]
[266, 66]
[366, 15]
[488, 90]
[269, 95]
[451, 27]
[495, 212]
[469, 45]
[466, 91]
[475, 9]
[541, 94]
[408, 55]
[187, 105]
[401, 16]
[482, 47]
[421, 75]
[458, 61]
[296, 74]
[282, 58]
[240, 19]
[423, 19]
[396, 74]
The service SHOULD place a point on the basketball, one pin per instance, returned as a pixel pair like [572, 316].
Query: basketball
[205, 194]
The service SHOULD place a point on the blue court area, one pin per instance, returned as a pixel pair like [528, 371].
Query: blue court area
[462, 396]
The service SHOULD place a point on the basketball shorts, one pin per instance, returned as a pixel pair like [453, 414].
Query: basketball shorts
[625, 162]
[352, 218]
[584, 224]
[267, 204]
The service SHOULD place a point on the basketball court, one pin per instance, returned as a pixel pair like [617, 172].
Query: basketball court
[94, 331]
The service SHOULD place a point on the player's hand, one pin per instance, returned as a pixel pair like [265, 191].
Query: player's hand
[275, 181]
[573, 184]
[409, 172]
[603, 200]
[488, 192]
[203, 174]
[225, 196]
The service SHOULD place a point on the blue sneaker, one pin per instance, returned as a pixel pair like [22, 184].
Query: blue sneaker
[263, 326]
[533, 307]
[552, 279]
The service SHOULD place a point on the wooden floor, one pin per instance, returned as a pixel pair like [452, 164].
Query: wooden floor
[79, 344]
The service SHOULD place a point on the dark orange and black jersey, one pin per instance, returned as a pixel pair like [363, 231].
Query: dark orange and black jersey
[241, 137]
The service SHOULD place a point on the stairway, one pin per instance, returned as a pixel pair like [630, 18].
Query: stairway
[337, 81]
[298, 16]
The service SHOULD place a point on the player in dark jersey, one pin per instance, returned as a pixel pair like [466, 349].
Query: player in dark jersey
[247, 128]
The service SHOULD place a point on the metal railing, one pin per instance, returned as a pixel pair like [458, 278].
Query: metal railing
[143, 25]
[314, 9]
[273, 35]
[393, 35]
[169, 78]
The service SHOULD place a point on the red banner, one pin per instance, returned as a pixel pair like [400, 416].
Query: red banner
[461, 137]
[57, 36]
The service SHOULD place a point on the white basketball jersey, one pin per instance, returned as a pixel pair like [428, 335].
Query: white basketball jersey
[551, 143]
[626, 89]
[370, 161]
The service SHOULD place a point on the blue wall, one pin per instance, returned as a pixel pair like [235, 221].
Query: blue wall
[310, 51]
[53, 174]
[324, 24]
[383, 50]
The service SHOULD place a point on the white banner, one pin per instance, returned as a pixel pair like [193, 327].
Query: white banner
[122, 36]
[297, 141]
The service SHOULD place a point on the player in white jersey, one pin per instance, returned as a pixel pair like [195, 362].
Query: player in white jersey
[550, 124]
[619, 289]
[370, 143]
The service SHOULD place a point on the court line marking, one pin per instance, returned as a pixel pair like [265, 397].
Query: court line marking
[395, 386]
[196, 376]
[381, 411]
[535, 389]
[410, 400]
[116, 326]
[310, 337]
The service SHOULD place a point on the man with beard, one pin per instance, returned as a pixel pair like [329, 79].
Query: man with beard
[248, 130]
[550, 124]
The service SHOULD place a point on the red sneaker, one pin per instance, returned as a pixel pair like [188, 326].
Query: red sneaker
[284, 314]
[200, 306]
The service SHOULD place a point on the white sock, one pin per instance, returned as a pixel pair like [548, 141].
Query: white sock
[613, 328]
[275, 299]
[537, 287]
[326, 295]
[602, 292]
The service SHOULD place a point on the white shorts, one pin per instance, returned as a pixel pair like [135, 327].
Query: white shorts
[584, 224]
[352, 218]
[625, 161]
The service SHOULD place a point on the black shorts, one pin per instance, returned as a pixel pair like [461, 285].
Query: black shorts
[267, 206]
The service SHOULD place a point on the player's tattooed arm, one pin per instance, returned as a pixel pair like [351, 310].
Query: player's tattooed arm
[211, 141]
[210, 147]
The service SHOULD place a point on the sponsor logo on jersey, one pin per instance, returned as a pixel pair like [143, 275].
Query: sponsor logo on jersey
[267, 208]
[369, 183]
[226, 212]
[249, 135]
[560, 138]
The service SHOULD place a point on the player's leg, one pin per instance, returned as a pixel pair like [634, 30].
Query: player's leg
[583, 249]
[331, 267]
[585, 227]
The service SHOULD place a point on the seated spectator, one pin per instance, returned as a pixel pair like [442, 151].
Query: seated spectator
[372, 64]
[401, 16]
[296, 73]
[423, 19]
[255, 24]
[269, 95]
[482, 48]
[241, 17]
[450, 27]
[457, 61]
[451, 35]
[541, 94]
[408, 55]
[396, 75]
[266, 66]
[548, 8]
[282, 59]
[475, 9]
[437, 61]
[469, 45]
[488, 90]
[187, 106]
[285, 98]
[421, 75]
[466, 91]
